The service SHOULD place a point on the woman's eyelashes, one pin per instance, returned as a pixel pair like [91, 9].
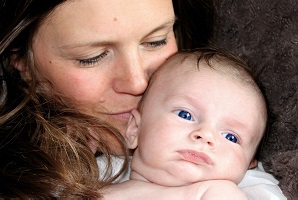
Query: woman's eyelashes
[92, 61]
[231, 137]
[184, 115]
[155, 44]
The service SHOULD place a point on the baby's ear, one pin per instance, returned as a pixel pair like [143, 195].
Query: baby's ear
[132, 131]
[253, 164]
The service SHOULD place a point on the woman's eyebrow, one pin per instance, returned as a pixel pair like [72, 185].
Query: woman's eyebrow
[87, 44]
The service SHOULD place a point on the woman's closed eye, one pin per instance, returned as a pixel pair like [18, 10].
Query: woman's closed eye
[92, 61]
[155, 44]
[184, 115]
[231, 137]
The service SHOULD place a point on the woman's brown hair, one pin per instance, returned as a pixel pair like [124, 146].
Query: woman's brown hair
[44, 148]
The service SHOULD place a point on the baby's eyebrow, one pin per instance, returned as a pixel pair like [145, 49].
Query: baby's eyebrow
[194, 102]
[234, 121]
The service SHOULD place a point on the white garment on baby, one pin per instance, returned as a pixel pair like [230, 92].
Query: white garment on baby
[260, 185]
[256, 184]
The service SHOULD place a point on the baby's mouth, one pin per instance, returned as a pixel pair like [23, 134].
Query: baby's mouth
[195, 157]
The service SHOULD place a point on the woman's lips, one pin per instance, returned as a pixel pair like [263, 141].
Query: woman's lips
[195, 157]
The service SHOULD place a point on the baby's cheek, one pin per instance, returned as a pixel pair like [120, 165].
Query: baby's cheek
[237, 166]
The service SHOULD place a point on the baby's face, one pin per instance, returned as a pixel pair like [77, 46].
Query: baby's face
[196, 126]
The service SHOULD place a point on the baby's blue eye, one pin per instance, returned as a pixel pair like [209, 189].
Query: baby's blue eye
[230, 137]
[184, 114]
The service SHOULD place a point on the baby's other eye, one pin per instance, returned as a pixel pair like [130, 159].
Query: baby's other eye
[184, 114]
[230, 137]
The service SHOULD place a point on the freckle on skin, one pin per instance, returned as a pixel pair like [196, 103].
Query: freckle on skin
[115, 19]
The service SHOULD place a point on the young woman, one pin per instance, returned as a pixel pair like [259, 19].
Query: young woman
[67, 66]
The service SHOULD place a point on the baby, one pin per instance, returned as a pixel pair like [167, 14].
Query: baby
[196, 131]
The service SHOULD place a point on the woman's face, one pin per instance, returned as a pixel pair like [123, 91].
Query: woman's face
[101, 53]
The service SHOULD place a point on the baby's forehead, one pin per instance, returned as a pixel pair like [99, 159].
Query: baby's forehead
[215, 64]
[224, 67]
[190, 62]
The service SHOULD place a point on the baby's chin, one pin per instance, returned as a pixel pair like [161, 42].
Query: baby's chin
[159, 177]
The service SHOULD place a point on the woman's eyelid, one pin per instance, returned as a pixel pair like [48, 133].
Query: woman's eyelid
[155, 43]
[155, 38]
[92, 60]
[158, 35]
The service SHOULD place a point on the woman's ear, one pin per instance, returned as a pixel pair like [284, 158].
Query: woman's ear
[16, 62]
[132, 131]
[253, 164]
[19, 64]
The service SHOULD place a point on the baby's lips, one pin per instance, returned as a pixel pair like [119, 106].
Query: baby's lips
[195, 157]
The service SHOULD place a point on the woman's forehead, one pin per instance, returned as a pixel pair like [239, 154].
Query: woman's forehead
[94, 21]
[103, 12]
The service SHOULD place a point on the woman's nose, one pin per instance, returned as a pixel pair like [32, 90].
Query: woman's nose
[205, 137]
[131, 75]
